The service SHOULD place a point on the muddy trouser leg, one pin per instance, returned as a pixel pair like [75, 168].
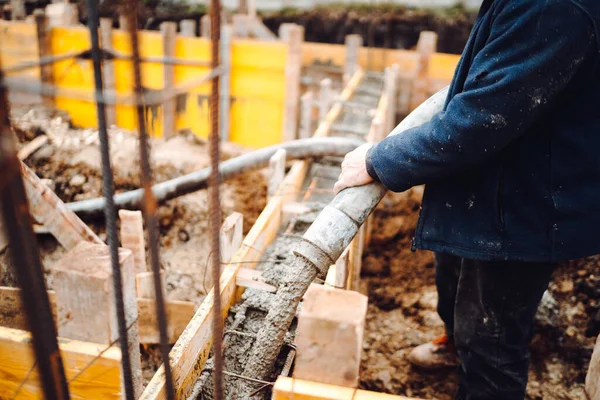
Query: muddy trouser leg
[494, 313]
[447, 272]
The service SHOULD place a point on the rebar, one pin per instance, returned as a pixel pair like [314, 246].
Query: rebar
[150, 204]
[110, 212]
[215, 202]
[26, 259]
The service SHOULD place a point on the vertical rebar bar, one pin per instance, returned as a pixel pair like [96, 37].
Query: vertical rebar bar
[26, 259]
[149, 204]
[215, 203]
[110, 211]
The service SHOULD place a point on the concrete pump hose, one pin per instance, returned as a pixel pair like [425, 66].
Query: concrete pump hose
[296, 149]
[319, 248]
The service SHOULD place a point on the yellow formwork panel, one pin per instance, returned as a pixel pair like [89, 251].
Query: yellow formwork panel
[74, 73]
[442, 66]
[18, 44]
[151, 45]
[192, 109]
[258, 92]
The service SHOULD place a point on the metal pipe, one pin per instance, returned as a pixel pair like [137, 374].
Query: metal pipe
[14, 212]
[110, 211]
[150, 204]
[296, 149]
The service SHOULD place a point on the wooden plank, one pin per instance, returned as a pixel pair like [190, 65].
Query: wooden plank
[83, 282]
[193, 346]
[47, 209]
[241, 26]
[100, 380]
[276, 172]
[293, 35]
[297, 389]
[44, 50]
[108, 67]
[179, 314]
[231, 234]
[328, 313]
[169, 35]
[250, 278]
[132, 237]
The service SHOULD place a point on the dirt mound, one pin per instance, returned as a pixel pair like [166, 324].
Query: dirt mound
[402, 314]
[385, 26]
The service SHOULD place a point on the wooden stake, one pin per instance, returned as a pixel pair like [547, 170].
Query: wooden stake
[108, 67]
[293, 35]
[62, 14]
[132, 237]
[144, 283]
[17, 8]
[276, 172]
[426, 46]
[330, 313]
[341, 270]
[44, 50]
[232, 234]
[353, 45]
[187, 27]
[123, 24]
[169, 34]
[390, 86]
[306, 116]
[240, 23]
[86, 303]
[355, 259]
[325, 98]
[205, 26]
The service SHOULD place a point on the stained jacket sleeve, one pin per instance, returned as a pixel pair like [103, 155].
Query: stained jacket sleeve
[534, 49]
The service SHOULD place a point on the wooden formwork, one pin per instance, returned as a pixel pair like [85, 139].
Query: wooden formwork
[191, 351]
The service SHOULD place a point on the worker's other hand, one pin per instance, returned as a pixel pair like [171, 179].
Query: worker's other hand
[354, 169]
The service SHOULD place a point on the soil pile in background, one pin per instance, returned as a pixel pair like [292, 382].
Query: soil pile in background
[403, 300]
[380, 26]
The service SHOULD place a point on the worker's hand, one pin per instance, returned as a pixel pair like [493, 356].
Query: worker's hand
[354, 169]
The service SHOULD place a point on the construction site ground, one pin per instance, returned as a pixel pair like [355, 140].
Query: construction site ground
[400, 283]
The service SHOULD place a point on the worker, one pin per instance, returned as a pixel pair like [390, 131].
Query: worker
[512, 173]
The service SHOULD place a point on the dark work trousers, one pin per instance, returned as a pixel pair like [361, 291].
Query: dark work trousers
[489, 310]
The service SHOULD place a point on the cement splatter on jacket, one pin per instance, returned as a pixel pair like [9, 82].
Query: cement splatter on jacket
[512, 164]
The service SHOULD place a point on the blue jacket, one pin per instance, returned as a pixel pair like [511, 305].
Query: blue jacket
[512, 164]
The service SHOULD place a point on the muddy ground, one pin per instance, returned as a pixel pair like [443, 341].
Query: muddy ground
[400, 284]
[402, 314]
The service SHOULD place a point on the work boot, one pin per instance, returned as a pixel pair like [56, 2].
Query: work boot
[439, 353]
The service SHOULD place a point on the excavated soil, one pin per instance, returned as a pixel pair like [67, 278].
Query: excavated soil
[402, 314]
[71, 165]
